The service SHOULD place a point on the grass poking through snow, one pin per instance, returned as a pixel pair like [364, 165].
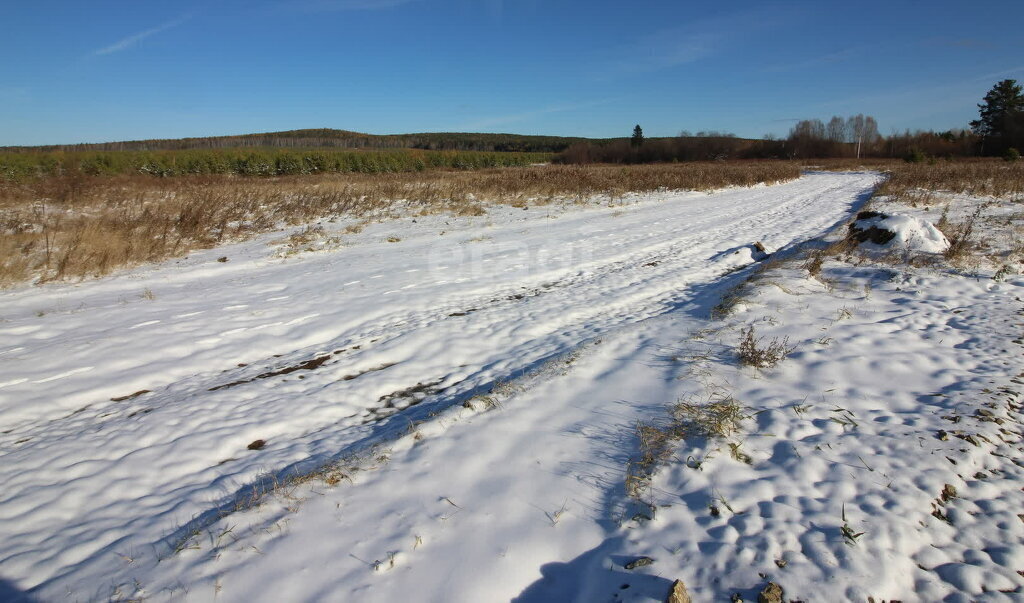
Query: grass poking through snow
[752, 352]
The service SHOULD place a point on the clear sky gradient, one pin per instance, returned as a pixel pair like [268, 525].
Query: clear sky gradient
[104, 70]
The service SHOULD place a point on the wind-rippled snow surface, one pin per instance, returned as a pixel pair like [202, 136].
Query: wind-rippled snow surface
[579, 313]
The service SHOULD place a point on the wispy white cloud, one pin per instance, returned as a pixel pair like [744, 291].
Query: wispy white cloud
[917, 104]
[959, 43]
[343, 5]
[692, 41]
[995, 74]
[134, 39]
[913, 97]
[512, 118]
[666, 49]
[831, 58]
[855, 53]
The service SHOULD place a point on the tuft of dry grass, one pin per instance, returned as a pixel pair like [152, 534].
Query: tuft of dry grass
[310, 238]
[813, 263]
[656, 443]
[961, 236]
[75, 225]
[752, 353]
[717, 415]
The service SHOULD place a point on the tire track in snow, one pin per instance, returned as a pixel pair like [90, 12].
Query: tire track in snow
[132, 471]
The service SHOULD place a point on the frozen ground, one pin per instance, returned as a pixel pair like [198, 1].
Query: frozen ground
[474, 388]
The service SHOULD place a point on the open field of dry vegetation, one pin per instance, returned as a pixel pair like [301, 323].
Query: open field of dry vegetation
[978, 176]
[76, 225]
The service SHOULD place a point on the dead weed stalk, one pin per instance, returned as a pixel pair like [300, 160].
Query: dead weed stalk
[751, 352]
[717, 415]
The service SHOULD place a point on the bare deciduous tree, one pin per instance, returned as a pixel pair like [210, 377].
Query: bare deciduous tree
[836, 129]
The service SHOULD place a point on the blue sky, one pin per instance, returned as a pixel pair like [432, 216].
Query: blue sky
[103, 70]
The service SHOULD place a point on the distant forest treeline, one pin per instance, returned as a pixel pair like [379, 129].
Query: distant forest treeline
[700, 147]
[999, 131]
[326, 138]
[858, 136]
[809, 139]
[19, 166]
[322, 138]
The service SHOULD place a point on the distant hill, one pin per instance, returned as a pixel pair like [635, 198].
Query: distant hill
[326, 137]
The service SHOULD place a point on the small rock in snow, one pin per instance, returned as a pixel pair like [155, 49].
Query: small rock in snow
[638, 562]
[759, 252]
[948, 492]
[772, 593]
[678, 593]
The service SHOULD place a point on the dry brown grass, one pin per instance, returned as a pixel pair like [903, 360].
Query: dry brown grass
[915, 182]
[78, 226]
[813, 263]
[718, 415]
[656, 445]
[987, 178]
[751, 352]
[961, 236]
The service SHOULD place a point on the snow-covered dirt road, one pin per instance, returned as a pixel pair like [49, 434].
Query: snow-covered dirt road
[127, 404]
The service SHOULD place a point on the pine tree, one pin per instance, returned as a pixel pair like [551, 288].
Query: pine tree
[638, 136]
[1000, 116]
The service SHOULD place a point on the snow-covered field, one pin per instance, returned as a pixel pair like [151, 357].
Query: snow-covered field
[474, 386]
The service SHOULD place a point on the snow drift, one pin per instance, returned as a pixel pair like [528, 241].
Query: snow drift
[898, 231]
